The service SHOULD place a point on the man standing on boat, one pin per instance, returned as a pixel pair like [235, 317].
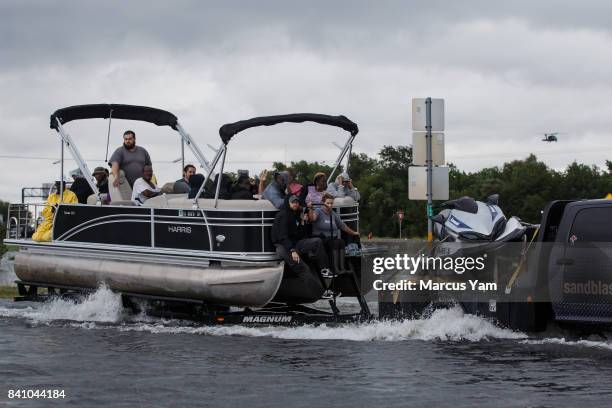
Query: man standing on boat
[144, 187]
[129, 158]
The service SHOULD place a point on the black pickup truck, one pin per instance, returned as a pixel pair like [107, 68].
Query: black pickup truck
[564, 275]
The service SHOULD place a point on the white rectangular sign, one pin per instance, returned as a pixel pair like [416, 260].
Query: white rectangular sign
[417, 183]
[419, 148]
[419, 112]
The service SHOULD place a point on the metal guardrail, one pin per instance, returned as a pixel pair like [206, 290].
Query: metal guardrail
[23, 219]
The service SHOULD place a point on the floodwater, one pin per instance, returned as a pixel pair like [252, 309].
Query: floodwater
[100, 356]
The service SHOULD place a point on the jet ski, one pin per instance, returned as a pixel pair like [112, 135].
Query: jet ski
[467, 223]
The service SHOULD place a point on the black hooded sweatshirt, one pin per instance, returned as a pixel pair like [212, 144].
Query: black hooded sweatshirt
[287, 229]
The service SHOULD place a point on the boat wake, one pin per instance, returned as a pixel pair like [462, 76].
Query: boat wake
[444, 325]
[103, 305]
[102, 310]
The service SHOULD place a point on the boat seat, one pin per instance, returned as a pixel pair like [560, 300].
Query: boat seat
[121, 193]
[123, 202]
[162, 201]
[181, 201]
[167, 188]
[92, 200]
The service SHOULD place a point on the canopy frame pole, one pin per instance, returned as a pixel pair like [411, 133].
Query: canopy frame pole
[220, 177]
[182, 154]
[110, 120]
[76, 155]
[347, 147]
[186, 138]
[61, 173]
[213, 164]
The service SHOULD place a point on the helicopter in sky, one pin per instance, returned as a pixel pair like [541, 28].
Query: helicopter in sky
[550, 137]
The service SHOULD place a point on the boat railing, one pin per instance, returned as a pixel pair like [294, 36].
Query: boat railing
[23, 219]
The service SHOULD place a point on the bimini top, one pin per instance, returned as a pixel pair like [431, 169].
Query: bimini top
[229, 130]
[104, 111]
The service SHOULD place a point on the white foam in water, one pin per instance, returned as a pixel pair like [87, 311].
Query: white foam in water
[447, 324]
[102, 305]
[584, 343]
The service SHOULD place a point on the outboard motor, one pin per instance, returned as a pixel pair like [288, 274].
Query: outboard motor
[466, 220]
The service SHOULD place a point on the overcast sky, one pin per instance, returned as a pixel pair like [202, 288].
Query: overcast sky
[508, 72]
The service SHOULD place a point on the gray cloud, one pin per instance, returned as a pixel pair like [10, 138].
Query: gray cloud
[508, 72]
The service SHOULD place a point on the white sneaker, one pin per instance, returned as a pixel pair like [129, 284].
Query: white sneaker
[328, 294]
[326, 273]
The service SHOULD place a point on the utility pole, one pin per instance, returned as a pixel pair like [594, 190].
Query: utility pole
[429, 171]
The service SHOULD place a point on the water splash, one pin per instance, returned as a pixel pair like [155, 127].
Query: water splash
[445, 324]
[103, 305]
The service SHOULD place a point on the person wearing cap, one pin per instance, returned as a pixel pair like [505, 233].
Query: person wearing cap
[290, 236]
[80, 187]
[276, 191]
[101, 176]
[343, 187]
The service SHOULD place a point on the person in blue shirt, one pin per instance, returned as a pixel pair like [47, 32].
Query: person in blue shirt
[276, 191]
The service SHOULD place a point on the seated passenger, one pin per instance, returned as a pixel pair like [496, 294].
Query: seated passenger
[276, 191]
[343, 187]
[326, 223]
[101, 176]
[144, 188]
[44, 231]
[224, 189]
[290, 237]
[294, 187]
[195, 182]
[242, 190]
[314, 192]
[181, 185]
[80, 187]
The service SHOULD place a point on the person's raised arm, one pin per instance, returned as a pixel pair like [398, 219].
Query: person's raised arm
[262, 181]
[115, 171]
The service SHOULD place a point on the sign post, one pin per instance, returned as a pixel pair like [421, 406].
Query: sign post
[400, 218]
[428, 182]
[429, 173]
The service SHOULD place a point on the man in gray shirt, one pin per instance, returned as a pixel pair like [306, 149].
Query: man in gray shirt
[129, 158]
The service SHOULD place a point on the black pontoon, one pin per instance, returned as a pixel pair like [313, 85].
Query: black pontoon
[209, 254]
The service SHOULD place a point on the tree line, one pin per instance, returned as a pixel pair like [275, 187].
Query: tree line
[524, 186]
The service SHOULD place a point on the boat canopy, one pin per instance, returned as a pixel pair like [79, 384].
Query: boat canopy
[114, 111]
[229, 130]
